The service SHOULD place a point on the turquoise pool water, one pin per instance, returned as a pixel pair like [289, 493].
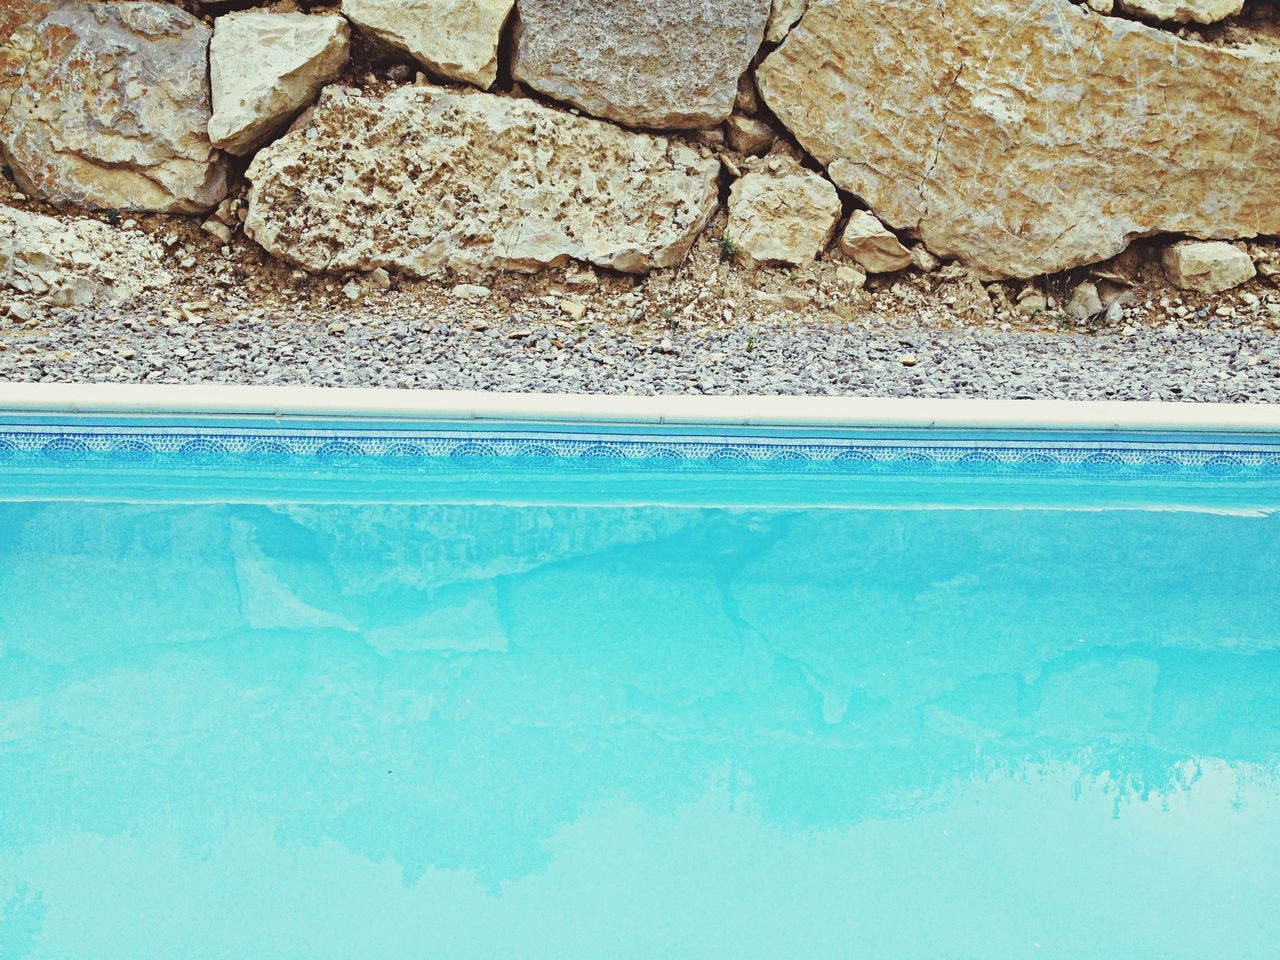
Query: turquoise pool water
[537, 694]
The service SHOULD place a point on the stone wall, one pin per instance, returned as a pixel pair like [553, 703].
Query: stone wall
[1017, 139]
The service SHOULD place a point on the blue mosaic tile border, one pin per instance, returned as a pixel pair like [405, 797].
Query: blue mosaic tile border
[429, 451]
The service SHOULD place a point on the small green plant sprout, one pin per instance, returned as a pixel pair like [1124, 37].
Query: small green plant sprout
[751, 342]
[728, 248]
[667, 313]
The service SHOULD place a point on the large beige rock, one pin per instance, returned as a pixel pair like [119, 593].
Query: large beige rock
[265, 67]
[107, 105]
[781, 217]
[456, 39]
[1028, 137]
[424, 178]
[672, 64]
[875, 249]
[783, 17]
[1183, 11]
[75, 262]
[1207, 266]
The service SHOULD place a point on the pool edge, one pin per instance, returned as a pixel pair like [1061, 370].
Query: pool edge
[744, 411]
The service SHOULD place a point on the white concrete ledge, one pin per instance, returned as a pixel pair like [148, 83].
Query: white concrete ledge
[826, 412]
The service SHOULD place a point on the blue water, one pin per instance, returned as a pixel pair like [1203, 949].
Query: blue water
[362, 729]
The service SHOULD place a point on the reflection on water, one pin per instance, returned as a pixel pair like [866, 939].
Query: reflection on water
[388, 731]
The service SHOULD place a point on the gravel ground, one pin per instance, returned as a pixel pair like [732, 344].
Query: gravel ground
[1178, 362]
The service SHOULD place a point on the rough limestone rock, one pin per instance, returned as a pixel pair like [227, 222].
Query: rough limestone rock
[784, 217]
[456, 39]
[1207, 266]
[265, 67]
[784, 15]
[75, 262]
[107, 105]
[425, 178]
[875, 249]
[1028, 137]
[1183, 11]
[672, 64]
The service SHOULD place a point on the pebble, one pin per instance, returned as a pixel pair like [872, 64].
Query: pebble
[470, 291]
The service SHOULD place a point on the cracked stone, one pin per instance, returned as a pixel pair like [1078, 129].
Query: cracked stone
[107, 105]
[1028, 138]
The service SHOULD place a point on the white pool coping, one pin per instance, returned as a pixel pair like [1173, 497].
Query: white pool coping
[748, 411]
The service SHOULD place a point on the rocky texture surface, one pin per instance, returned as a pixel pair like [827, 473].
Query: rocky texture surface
[1207, 267]
[455, 39]
[106, 106]
[1183, 11]
[877, 250]
[425, 178]
[673, 64]
[781, 216]
[1026, 138]
[422, 349]
[75, 262]
[266, 67]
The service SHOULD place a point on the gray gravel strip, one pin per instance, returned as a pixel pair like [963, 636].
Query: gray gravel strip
[1176, 363]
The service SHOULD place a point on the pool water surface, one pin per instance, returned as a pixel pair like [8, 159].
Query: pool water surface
[953, 718]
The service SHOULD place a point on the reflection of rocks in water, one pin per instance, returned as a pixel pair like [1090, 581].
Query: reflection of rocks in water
[374, 546]
[448, 686]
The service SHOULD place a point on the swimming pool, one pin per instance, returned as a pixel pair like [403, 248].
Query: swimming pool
[323, 686]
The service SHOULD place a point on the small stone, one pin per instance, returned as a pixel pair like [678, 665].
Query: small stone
[470, 291]
[337, 328]
[217, 229]
[781, 219]
[581, 277]
[574, 308]
[457, 39]
[908, 359]
[875, 248]
[1206, 266]
[351, 290]
[379, 277]
[851, 276]
[925, 261]
[1084, 302]
[749, 135]
[23, 313]
[1033, 303]
[1101, 6]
